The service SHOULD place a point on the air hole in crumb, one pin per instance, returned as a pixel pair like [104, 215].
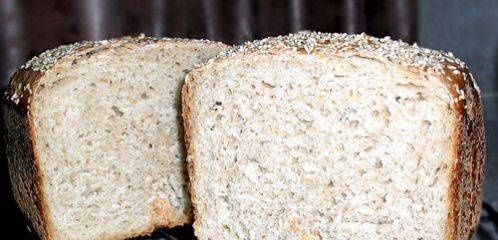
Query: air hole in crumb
[150, 145]
[144, 96]
[375, 113]
[426, 125]
[217, 103]
[397, 98]
[420, 96]
[383, 220]
[445, 166]
[267, 84]
[330, 184]
[434, 182]
[378, 164]
[117, 111]
[354, 123]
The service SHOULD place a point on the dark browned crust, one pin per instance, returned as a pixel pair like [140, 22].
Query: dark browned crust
[23, 161]
[469, 150]
[26, 78]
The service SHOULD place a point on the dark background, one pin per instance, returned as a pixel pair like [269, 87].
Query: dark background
[469, 29]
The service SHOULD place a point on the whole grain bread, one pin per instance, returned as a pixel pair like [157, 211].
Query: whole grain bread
[94, 137]
[333, 136]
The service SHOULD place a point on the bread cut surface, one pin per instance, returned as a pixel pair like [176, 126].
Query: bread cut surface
[95, 137]
[330, 136]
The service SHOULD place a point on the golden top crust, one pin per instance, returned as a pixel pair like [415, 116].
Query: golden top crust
[22, 83]
[47, 59]
[452, 71]
[335, 43]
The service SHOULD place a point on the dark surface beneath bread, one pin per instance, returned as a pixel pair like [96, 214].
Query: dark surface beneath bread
[487, 230]
[178, 233]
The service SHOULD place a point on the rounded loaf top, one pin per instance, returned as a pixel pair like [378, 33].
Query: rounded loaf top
[47, 59]
[21, 85]
[454, 71]
[396, 51]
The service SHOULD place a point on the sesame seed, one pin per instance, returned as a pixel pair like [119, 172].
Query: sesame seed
[397, 52]
[47, 59]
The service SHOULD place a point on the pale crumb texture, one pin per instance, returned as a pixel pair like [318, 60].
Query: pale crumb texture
[290, 144]
[109, 138]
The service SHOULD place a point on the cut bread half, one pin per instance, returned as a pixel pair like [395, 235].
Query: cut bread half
[333, 136]
[95, 139]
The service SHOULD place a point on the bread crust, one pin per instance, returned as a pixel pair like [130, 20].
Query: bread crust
[187, 126]
[24, 166]
[466, 175]
[23, 161]
[469, 150]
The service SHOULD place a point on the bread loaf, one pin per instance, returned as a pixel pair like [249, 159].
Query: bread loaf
[94, 139]
[333, 136]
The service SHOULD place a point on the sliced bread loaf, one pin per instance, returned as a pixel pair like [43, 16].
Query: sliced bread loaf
[333, 136]
[94, 138]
